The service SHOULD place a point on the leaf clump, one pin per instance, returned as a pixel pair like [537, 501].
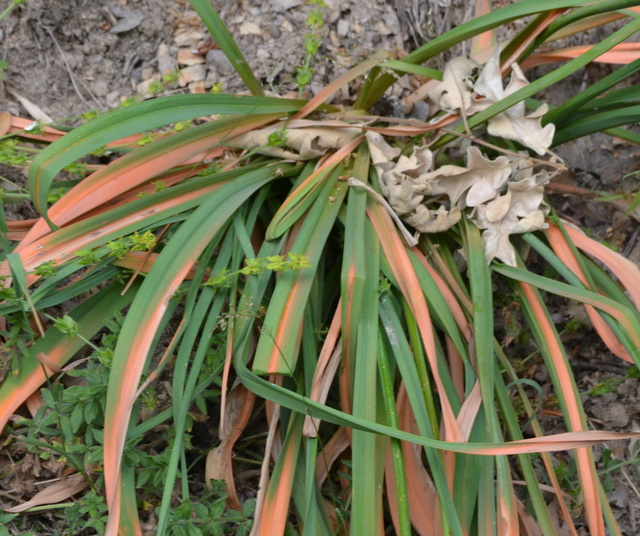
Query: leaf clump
[504, 195]
[466, 89]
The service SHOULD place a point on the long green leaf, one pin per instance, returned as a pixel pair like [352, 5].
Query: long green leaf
[563, 112]
[367, 464]
[219, 31]
[596, 123]
[146, 313]
[140, 117]
[277, 350]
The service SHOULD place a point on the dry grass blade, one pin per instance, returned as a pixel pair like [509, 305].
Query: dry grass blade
[400, 263]
[55, 493]
[574, 413]
[563, 250]
[621, 54]
[219, 460]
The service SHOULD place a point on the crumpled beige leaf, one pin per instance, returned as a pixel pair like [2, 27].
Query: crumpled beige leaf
[474, 184]
[511, 124]
[520, 210]
[454, 92]
[433, 221]
[505, 195]
[405, 184]
[301, 143]
[400, 181]
[462, 90]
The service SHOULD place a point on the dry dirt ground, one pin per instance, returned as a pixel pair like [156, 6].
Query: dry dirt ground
[65, 58]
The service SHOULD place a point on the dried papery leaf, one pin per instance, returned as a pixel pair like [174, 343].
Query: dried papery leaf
[511, 124]
[49, 365]
[332, 449]
[453, 94]
[380, 150]
[520, 210]
[5, 122]
[55, 493]
[33, 109]
[300, 143]
[481, 180]
[424, 220]
[399, 181]
[528, 525]
[219, 465]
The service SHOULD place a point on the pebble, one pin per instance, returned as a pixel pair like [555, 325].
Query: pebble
[283, 5]
[420, 111]
[147, 73]
[186, 57]
[197, 87]
[143, 87]
[193, 73]
[219, 61]
[113, 99]
[188, 38]
[274, 32]
[250, 28]
[343, 28]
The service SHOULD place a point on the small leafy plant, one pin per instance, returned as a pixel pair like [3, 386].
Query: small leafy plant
[343, 267]
[312, 43]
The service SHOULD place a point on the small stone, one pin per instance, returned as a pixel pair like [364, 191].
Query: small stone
[187, 57]
[188, 38]
[193, 73]
[249, 28]
[343, 27]
[282, 5]
[262, 54]
[420, 111]
[286, 27]
[100, 88]
[147, 73]
[113, 99]
[212, 76]
[274, 32]
[143, 87]
[218, 59]
[166, 64]
[382, 29]
[197, 87]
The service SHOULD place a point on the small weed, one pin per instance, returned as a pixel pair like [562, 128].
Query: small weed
[312, 42]
[277, 263]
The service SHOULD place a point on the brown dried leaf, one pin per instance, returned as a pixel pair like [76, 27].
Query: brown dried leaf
[55, 493]
[5, 122]
[219, 464]
[401, 182]
[301, 143]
